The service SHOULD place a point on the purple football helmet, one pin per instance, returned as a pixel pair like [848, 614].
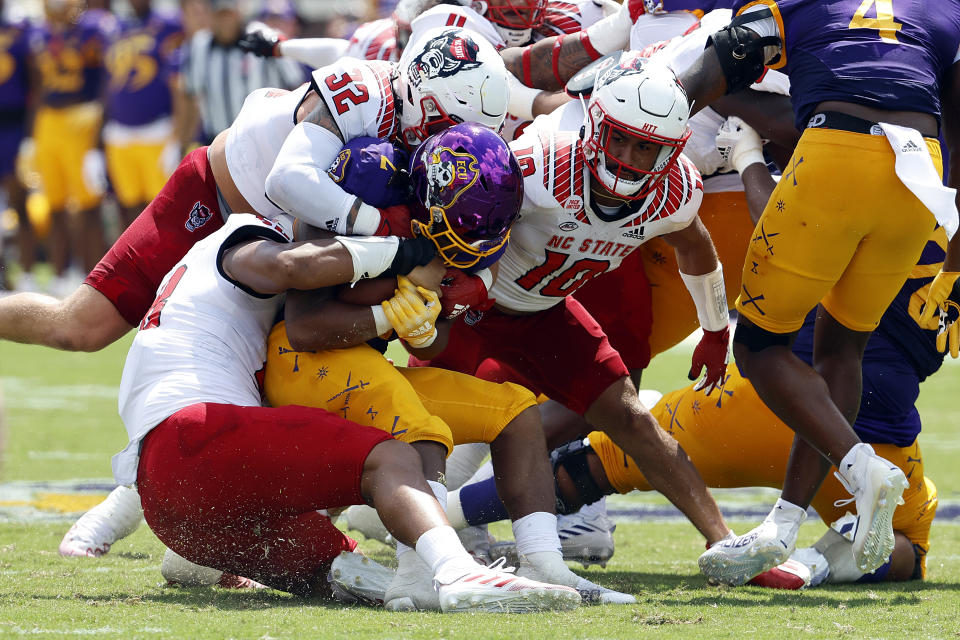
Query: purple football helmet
[468, 190]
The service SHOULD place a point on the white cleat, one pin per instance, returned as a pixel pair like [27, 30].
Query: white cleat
[412, 587]
[364, 519]
[815, 562]
[586, 538]
[734, 561]
[877, 487]
[113, 519]
[497, 589]
[544, 568]
[180, 572]
[361, 579]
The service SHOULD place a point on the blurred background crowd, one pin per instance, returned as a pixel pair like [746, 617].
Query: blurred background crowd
[100, 99]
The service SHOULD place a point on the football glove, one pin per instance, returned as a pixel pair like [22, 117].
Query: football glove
[395, 221]
[713, 352]
[739, 145]
[944, 298]
[412, 312]
[261, 40]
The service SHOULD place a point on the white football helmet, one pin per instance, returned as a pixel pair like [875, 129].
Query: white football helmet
[446, 76]
[641, 100]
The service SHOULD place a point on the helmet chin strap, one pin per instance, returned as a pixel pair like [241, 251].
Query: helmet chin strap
[514, 37]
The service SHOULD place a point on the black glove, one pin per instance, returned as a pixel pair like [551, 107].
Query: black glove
[412, 253]
[261, 41]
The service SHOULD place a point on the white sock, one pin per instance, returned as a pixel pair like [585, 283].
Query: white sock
[483, 473]
[122, 510]
[440, 492]
[784, 512]
[536, 532]
[455, 511]
[440, 548]
[465, 460]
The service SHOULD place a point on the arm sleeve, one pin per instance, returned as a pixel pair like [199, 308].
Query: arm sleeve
[299, 183]
[314, 52]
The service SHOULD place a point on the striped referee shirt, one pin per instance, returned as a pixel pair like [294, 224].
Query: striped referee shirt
[220, 77]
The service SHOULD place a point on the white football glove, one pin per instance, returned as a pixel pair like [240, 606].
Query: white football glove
[739, 145]
[94, 172]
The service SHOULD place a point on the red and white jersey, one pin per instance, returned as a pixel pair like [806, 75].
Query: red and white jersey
[571, 16]
[360, 97]
[375, 40]
[357, 93]
[454, 15]
[560, 242]
[203, 339]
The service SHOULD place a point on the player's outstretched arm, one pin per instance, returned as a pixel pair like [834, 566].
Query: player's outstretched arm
[270, 267]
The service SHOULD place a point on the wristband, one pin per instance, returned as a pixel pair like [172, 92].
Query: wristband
[412, 253]
[710, 297]
[380, 320]
[741, 159]
[371, 256]
[367, 220]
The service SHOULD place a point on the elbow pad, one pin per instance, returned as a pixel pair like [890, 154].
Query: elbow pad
[741, 51]
[299, 183]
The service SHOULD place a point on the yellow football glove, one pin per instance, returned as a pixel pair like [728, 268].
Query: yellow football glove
[943, 297]
[412, 312]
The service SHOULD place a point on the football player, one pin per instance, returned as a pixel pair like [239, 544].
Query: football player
[138, 135]
[190, 400]
[589, 202]
[273, 159]
[721, 430]
[863, 186]
[68, 52]
[471, 187]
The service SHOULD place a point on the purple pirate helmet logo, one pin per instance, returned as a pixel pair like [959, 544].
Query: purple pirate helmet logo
[338, 169]
[444, 56]
[449, 173]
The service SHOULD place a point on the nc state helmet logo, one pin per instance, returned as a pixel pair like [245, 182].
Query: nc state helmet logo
[449, 173]
[443, 56]
[197, 217]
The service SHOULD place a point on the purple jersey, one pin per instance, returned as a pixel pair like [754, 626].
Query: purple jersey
[71, 61]
[140, 64]
[877, 53]
[14, 50]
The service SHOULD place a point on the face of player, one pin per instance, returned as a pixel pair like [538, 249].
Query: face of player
[630, 153]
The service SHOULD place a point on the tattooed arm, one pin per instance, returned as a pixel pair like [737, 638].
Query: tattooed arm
[299, 183]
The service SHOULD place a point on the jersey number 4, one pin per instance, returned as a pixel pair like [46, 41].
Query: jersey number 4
[883, 23]
[565, 282]
[152, 318]
[357, 94]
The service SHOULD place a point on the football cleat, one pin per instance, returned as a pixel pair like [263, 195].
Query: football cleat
[364, 519]
[791, 575]
[815, 562]
[113, 519]
[586, 538]
[355, 578]
[877, 487]
[734, 561]
[497, 589]
[412, 588]
[180, 572]
[549, 567]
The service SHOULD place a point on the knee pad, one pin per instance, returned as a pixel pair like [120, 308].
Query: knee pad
[573, 458]
[741, 51]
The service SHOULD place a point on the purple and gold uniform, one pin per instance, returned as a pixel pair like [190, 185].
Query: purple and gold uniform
[723, 429]
[14, 50]
[841, 228]
[140, 65]
[70, 64]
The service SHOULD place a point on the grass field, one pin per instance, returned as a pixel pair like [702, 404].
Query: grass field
[62, 428]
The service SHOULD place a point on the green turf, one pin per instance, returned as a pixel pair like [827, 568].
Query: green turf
[62, 425]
